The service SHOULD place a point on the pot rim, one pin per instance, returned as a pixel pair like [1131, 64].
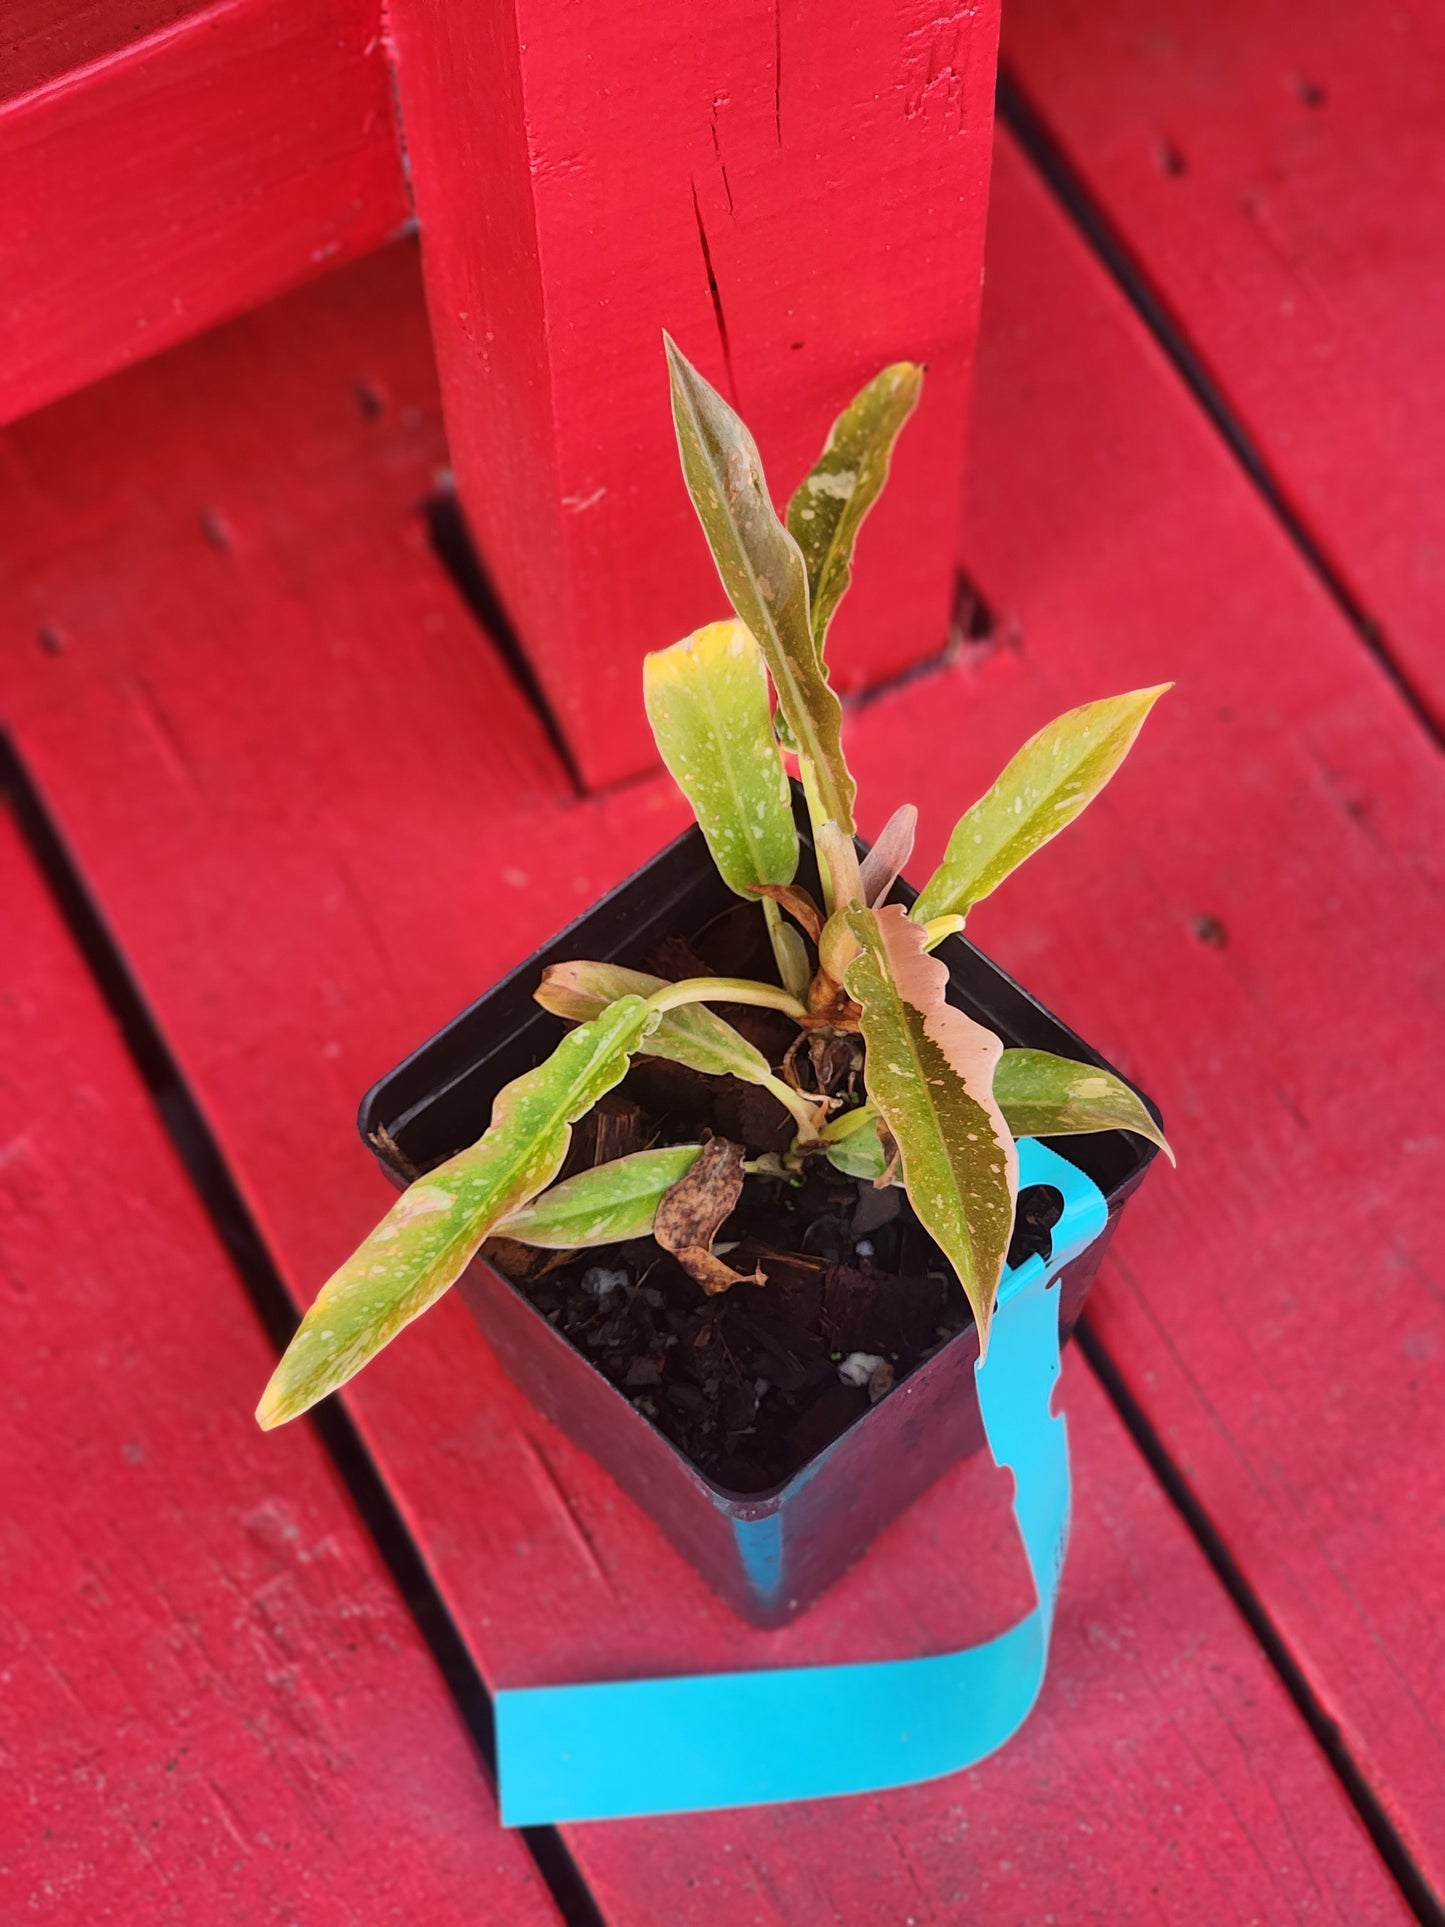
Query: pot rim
[456, 1047]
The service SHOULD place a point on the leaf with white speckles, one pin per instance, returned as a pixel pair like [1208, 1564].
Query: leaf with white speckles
[707, 701]
[930, 1071]
[1054, 776]
[424, 1243]
[763, 571]
[1046, 1096]
[602, 1206]
[692, 1034]
[829, 508]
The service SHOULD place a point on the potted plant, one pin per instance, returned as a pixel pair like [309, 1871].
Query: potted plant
[738, 1228]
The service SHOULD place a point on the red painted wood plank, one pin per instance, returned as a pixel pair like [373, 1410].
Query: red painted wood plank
[42, 40]
[182, 177]
[364, 837]
[769, 181]
[215, 1705]
[1279, 171]
[1254, 923]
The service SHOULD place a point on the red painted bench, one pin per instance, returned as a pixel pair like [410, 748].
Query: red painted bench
[315, 810]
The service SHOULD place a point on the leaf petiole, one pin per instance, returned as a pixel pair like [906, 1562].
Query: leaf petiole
[805, 1114]
[727, 990]
[741, 990]
[937, 928]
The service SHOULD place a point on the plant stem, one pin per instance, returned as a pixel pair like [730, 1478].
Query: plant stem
[804, 1113]
[727, 990]
[741, 990]
[937, 928]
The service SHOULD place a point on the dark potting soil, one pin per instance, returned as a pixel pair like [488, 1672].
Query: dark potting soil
[747, 1382]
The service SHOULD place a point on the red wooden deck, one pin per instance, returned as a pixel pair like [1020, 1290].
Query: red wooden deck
[287, 808]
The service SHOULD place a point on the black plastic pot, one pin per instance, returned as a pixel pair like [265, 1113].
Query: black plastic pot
[767, 1554]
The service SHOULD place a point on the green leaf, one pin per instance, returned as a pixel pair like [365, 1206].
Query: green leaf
[930, 1072]
[791, 954]
[425, 1241]
[604, 1205]
[707, 701]
[848, 1123]
[762, 570]
[1053, 777]
[838, 856]
[825, 515]
[1046, 1096]
[692, 1034]
[857, 1153]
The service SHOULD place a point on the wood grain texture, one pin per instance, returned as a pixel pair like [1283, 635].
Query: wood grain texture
[1279, 172]
[215, 1705]
[369, 829]
[42, 40]
[1253, 915]
[796, 190]
[182, 175]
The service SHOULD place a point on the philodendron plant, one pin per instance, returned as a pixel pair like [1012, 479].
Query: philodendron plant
[886, 1079]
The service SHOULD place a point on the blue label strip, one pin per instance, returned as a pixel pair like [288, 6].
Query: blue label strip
[623, 1748]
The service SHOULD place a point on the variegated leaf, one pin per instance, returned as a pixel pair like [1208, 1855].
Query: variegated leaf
[603, 1206]
[707, 700]
[841, 871]
[425, 1241]
[762, 570]
[827, 511]
[930, 1072]
[837, 947]
[692, 1034]
[1054, 776]
[1039, 1094]
[1046, 1096]
[883, 865]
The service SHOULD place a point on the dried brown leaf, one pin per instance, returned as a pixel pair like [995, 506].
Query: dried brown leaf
[712, 1273]
[692, 1210]
[796, 901]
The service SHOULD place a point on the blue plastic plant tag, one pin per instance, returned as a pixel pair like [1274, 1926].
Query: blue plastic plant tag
[629, 1747]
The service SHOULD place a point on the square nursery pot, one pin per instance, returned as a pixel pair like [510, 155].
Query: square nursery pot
[767, 1554]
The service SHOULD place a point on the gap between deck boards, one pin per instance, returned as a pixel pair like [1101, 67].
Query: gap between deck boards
[224, 1203]
[223, 1199]
[1092, 222]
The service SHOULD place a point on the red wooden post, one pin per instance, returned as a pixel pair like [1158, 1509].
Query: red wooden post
[796, 189]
